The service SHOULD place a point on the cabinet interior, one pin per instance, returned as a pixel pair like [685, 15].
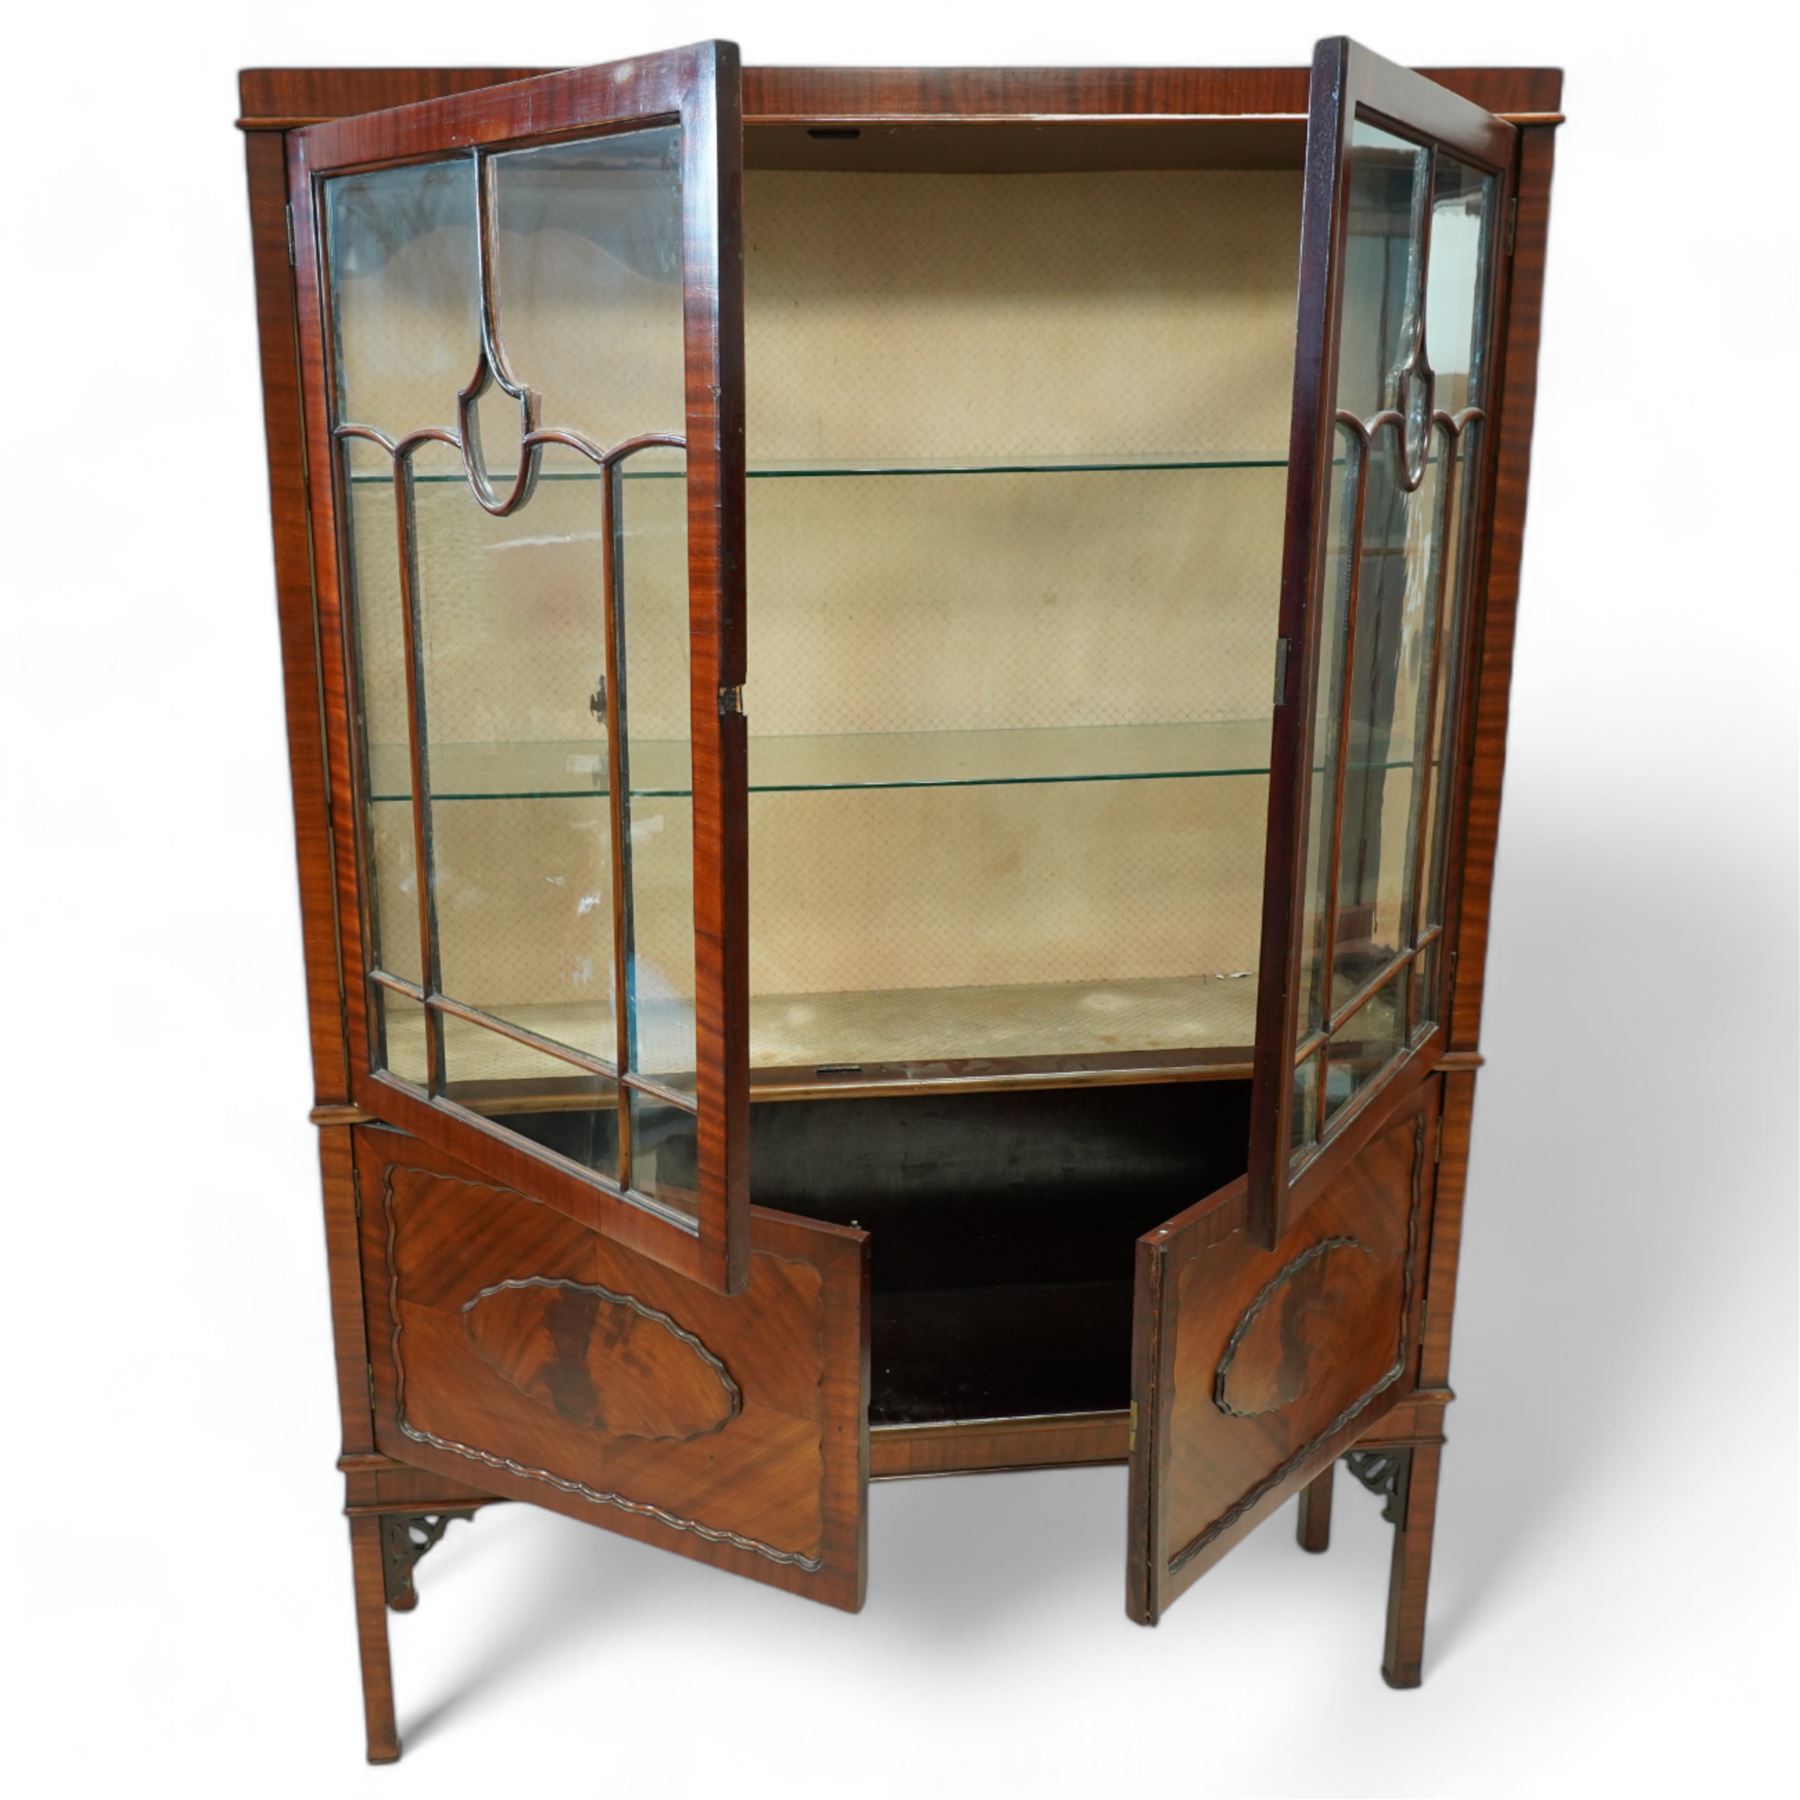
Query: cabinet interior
[1018, 403]
[1003, 1228]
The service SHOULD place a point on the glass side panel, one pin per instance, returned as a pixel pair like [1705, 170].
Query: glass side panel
[1394, 570]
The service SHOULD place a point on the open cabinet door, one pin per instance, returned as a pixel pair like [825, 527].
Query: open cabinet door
[1275, 1320]
[1252, 1370]
[1404, 218]
[521, 324]
[518, 1351]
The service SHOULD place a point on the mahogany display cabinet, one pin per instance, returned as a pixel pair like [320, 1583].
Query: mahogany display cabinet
[897, 683]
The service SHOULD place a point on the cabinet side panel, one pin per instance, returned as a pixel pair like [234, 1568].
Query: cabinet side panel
[344, 1272]
[265, 156]
[518, 1348]
[1446, 1231]
[1518, 406]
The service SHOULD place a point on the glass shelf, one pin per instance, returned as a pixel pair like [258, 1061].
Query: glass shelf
[901, 759]
[666, 466]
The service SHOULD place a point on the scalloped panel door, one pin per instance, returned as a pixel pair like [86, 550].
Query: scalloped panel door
[521, 1352]
[1252, 1369]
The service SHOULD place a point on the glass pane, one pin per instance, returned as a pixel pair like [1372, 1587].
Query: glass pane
[1457, 552]
[1303, 1122]
[1462, 206]
[1391, 669]
[404, 295]
[378, 639]
[1364, 1046]
[551, 1102]
[1340, 567]
[1378, 320]
[397, 1035]
[665, 1152]
[653, 616]
[514, 643]
[1425, 989]
[588, 281]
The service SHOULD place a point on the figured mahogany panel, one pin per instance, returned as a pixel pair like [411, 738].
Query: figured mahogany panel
[601, 1359]
[1252, 1368]
[518, 1349]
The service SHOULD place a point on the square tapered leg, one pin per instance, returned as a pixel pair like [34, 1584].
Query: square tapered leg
[372, 1639]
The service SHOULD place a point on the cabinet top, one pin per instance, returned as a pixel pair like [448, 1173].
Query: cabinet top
[278, 99]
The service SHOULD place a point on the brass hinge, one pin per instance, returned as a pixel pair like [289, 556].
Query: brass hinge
[1281, 663]
[1131, 1429]
[731, 700]
[1512, 224]
[369, 1369]
[290, 236]
[356, 1188]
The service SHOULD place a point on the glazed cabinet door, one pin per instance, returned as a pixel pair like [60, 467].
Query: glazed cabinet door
[514, 1349]
[1253, 1369]
[521, 321]
[1403, 231]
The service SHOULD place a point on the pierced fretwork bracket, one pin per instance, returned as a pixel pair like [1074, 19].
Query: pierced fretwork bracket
[1384, 1472]
[405, 1537]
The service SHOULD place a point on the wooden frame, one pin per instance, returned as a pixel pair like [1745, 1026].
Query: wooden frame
[695, 88]
[274, 103]
[1348, 83]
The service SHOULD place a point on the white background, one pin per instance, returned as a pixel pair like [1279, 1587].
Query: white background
[1613, 1608]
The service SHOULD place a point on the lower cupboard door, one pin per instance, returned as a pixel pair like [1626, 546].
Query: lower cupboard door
[1252, 1369]
[515, 1350]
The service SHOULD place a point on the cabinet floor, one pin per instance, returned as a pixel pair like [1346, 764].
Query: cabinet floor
[1000, 1352]
[1208, 1012]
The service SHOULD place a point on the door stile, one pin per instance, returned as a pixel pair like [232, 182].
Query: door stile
[713, 177]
